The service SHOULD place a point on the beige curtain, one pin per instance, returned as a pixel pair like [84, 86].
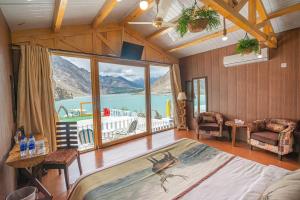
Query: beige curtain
[36, 110]
[176, 87]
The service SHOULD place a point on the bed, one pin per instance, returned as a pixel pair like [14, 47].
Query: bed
[185, 169]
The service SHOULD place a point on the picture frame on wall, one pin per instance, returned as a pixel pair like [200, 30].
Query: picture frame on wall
[189, 90]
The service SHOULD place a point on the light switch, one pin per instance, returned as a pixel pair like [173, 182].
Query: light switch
[283, 65]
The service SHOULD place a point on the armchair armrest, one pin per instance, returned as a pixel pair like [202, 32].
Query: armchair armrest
[256, 126]
[219, 118]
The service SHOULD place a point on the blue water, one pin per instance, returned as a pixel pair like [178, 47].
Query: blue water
[131, 102]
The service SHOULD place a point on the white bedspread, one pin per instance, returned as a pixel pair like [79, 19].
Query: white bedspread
[240, 179]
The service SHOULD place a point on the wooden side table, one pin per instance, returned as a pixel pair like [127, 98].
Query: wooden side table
[31, 166]
[233, 127]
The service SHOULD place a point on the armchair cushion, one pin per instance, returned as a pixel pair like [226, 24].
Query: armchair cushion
[209, 127]
[267, 137]
[275, 127]
[209, 119]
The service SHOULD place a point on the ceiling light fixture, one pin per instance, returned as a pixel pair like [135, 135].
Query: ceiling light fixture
[144, 4]
[119, 0]
[224, 38]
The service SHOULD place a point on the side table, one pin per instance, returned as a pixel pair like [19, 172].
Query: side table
[234, 126]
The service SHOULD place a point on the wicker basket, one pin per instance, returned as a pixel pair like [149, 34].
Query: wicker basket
[197, 25]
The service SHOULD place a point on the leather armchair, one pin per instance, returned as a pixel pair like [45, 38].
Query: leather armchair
[275, 135]
[209, 123]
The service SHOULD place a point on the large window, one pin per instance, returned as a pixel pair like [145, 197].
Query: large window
[199, 95]
[73, 95]
[123, 101]
[111, 100]
[161, 98]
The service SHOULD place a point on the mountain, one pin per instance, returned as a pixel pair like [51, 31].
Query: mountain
[162, 85]
[71, 81]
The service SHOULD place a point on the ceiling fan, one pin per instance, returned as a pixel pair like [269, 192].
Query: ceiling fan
[162, 7]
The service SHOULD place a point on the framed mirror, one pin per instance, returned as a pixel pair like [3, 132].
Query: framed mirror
[199, 95]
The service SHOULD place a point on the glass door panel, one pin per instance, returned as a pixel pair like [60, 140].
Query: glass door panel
[161, 98]
[122, 101]
[73, 95]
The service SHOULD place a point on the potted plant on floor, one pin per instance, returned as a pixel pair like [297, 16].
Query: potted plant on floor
[197, 19]
[247, 45]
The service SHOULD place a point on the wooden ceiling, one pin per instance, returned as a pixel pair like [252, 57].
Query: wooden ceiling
[250, 16]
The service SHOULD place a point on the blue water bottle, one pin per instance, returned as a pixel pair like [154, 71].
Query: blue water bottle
[31, 145]
[23, 146]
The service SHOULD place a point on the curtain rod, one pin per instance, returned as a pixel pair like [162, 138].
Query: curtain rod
[98, 55]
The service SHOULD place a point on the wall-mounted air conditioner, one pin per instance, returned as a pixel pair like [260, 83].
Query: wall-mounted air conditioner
[238, 59]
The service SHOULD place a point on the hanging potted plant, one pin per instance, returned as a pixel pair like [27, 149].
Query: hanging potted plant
[197, 19]
[247, 45]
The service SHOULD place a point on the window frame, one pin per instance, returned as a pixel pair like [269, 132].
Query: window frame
[206, 95]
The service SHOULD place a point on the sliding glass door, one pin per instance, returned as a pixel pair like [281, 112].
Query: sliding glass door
[161, 98]
[73, 95]
[122, 101]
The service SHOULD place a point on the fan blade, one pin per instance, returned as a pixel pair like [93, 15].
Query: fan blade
[141, 23]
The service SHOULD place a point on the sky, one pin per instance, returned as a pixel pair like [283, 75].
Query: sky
[129, 72]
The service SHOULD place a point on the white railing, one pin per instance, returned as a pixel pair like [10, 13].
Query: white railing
[119, 122]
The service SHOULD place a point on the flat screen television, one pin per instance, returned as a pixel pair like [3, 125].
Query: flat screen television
[131, 51]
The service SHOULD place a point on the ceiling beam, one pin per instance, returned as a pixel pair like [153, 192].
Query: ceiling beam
[204, 38]
[59, 13]
[267, 26]
[229, 13]
[240, 5]
[285, 11]
[136, 13]
[106, 9]
[252, 11]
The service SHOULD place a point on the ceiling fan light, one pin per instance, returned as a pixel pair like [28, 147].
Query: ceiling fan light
[144, 4]
[119, 0]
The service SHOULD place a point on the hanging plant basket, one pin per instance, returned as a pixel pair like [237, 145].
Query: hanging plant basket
[197, 25]
[247, 45]
[197, 19]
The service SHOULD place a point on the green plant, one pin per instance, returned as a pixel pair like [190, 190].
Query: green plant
[247, 45]
[191, 15]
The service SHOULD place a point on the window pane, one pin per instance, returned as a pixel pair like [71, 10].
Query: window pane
[200, 95]
[161, 98]
[73, 95]
[123, 101]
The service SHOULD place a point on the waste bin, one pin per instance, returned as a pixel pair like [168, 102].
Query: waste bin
[25, 193]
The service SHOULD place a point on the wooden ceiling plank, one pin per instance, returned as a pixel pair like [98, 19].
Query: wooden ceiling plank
[106, 9]
[137, 12]
[224, 9]
[285, 11]
[59, 13]
[204, 38]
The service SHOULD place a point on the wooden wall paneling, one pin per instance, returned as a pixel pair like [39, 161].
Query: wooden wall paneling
[223, 85]
[241, 92]
[263, 90]
[252, 87]
[297, 42]
[290, 57]
[208, 73]
[231, 87]
[215, 79]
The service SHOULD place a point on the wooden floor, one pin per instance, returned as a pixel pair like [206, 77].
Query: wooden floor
[104, 157]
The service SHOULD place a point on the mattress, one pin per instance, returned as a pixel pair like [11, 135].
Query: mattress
[185, 169]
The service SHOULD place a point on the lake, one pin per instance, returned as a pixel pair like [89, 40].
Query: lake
[132, 102]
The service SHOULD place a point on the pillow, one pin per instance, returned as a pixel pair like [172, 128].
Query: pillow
[209, 118]
[286, 188]
[275, 127]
